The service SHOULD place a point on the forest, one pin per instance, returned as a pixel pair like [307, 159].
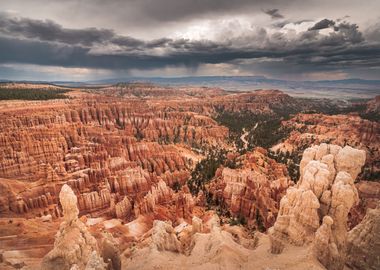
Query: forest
[32, 94]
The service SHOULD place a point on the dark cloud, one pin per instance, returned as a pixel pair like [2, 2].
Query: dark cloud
[89, 37]
[47, 43]
[274, 13]
[337, 49]
[349, 31]
[323, 24]
[158, 42]
[126, 41]
[50, 31]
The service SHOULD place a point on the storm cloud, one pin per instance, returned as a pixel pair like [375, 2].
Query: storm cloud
[274, 13]
[244, 43]
[50, 31]
[323, 24]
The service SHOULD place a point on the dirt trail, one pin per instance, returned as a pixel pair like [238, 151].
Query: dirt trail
[243, 137]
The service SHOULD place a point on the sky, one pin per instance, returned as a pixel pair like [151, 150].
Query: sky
[79, 40]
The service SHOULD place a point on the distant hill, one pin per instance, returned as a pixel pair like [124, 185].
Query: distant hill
[335, 89]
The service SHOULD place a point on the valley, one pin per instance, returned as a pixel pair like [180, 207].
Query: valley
[183, 177]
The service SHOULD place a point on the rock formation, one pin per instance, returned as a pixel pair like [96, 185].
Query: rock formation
[216, 247]
[205, 245]
[324, 194]
[369, 194]
[373, 106]
[74, 246]
[110, 251]
[309, 129]
[324, 246]
[101, 148]
[164, 237]
[69, 203]
[123, 208]
[94, 263]
[197, 225]
[254, 190]
[363, 242]
[127, 160]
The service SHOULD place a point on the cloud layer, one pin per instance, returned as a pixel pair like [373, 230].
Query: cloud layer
[280, 48]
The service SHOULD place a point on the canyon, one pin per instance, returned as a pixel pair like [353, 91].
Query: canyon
[142, 176]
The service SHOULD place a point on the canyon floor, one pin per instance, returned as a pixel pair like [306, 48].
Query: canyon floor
[142, 176]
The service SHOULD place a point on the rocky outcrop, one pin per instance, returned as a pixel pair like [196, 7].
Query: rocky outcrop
[369, 194]
[184, 203]
[197, 225]
[196, 246]
[159, 194]
[373, 106]
[353, 130]
[254, 190]
[94, 263]
[324, 194]
[164, 237]
[74, 246]
[110, 251]
[123, 208]
[217, 244]
[69, 203]
[363, 242]
[324, 246]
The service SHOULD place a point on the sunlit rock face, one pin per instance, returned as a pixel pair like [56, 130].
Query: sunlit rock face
[69, 203]
[316, 209]
[74, 246]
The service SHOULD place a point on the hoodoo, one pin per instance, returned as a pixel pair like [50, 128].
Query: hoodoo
[74, 247]
[316, 209]
[142, 176]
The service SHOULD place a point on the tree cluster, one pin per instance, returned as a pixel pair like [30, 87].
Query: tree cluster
[32, 94]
